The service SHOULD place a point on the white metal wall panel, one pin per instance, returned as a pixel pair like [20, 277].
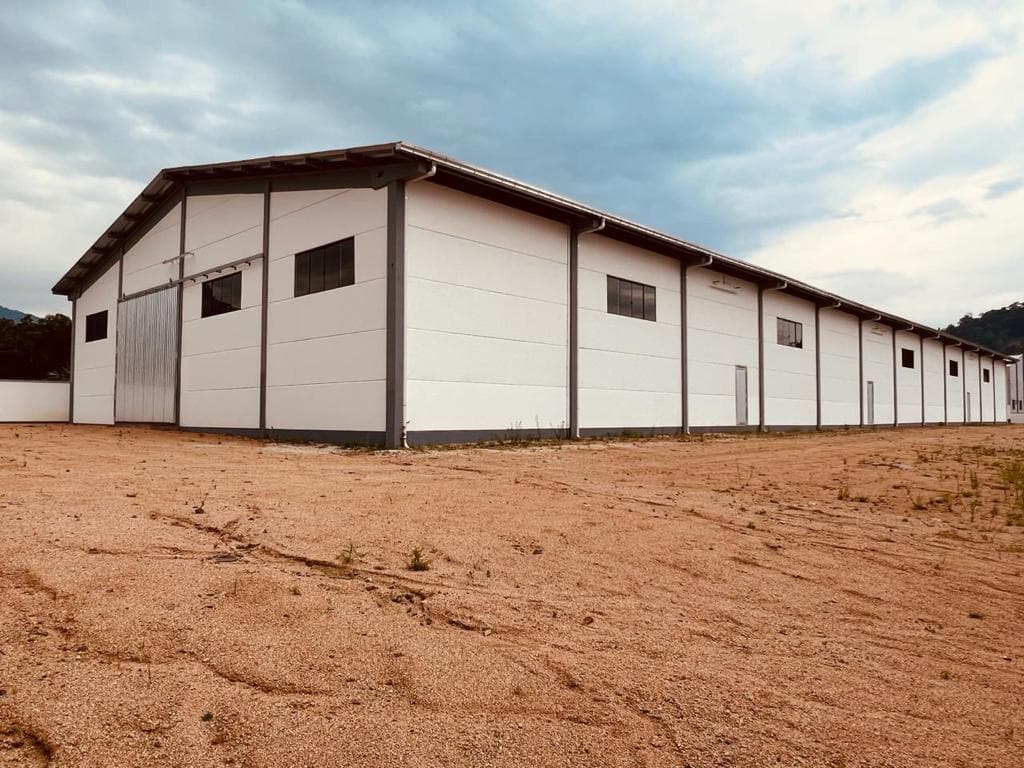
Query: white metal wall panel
[486, 315]
[220, 364]
[840, 369]
[954, 386]
[1001, 382]
[630, 374]
[934, 372]
[971, 380]
[33, 400]
[908, 379]
[94, 361]
[146, 263]
[326, 351]
[790, 386]
[722, 333]
[879, 369]
[147, 356]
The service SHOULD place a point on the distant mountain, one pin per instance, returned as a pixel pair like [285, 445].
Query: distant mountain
[10, 314]
[999, 329]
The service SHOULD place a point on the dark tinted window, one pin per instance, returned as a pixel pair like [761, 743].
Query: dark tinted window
[329, 266]
[954, 368]
[790, 333]
[222, 295]
[631, 299]
[908, 358]
[984, 375]
[96, 326]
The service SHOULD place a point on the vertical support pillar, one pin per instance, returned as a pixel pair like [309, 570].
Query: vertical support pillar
[181, 292]
[920, 368]
[817, 364]
[981, 390]
[963, 383]
[394, 420]
[995, 410]
[574, 333]
[895, 383]
[264, 307]
[860, 365]
[760, 359]
[74, 336]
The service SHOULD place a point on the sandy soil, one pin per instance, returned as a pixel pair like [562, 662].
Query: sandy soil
[194, 600]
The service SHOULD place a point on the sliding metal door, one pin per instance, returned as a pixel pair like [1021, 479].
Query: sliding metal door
[147, 352]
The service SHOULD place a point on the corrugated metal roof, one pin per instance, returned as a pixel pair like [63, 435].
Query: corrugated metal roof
[453, 172]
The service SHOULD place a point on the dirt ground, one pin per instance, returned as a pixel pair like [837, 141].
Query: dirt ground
[837, 599]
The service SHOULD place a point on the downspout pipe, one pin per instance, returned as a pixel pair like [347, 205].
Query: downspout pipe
[817, 353]
[781, 286]
[574, 324]
[684, 356]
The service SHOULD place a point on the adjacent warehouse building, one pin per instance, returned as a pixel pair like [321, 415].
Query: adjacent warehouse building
[390, 295]
[1015, 389]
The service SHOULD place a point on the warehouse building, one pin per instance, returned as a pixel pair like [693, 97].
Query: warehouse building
[389, 295]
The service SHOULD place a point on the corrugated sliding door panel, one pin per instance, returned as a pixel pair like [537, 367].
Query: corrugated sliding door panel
[147, 348]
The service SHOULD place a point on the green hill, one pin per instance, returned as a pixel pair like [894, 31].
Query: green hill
[1000, 329]
[10, 314]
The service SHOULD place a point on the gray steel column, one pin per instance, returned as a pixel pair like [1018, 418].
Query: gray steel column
[817, 363]
[181, 290]
[995, 411]
[760, 359]
[574, 334]
[71, 385]
[860, 365]
[895, 384]
[981, 389]
[264, 308]
[394, 418]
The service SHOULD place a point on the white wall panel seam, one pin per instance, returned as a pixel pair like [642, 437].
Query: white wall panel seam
[360, 233]
[307, 206]
[330, 336]
[490, 245]
[317, 293]
[485, 336]
[487, 290]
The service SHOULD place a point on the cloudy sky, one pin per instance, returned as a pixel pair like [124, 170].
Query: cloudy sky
[875, 148]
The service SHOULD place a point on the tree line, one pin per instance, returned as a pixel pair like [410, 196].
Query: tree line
[35, 348]
[1000, 329]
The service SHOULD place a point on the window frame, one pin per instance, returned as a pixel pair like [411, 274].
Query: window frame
[91, 323]
[904, 352]
[207, 297]
[642, 298]
[798, 333]
[313, 271]
[986, 377]
[954, 369]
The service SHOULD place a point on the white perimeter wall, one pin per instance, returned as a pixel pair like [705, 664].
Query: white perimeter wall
[145, 263]
[934, 370]
[326, 351]
[878, 368]
[630, 370]
[94, 362]
[908, 380]
[33, 400]
[486, 310]
[840, 369]
[220, 365]
[722, 334]
[790, 388]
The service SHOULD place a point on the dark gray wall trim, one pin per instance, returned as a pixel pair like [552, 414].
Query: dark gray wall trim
[684, 355]
[181, 296]
[253, 186]
[394, 421]
[264, 307]
[963, 383]
[445, 436]
[895, 384]
[330, 436]
[71, 388]
[945, 385]
[920, 368]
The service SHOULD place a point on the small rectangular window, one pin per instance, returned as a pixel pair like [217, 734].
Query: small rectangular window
[984, 375]
[908, 358]
[632, 299]
[222, 295]
[326, 267]
[954, 367]
[790, 333]
[96, 326]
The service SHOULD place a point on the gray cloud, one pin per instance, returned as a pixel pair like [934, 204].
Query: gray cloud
[672, 138]
[943, 211]
[1003, 188]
